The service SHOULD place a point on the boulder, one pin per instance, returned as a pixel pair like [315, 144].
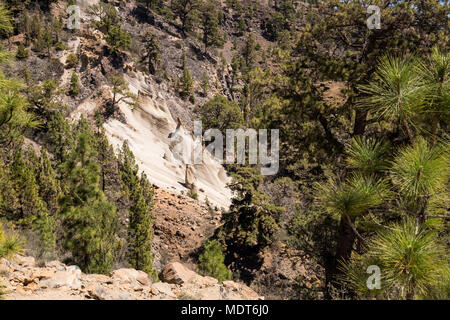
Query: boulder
[100, 278]
[100, 292]
[131, 276]
[56, 265]
[40, 274]
[232, 288]
[176, 273]
[163, 288]
[25, 261]
[69, 278]
[5, 267]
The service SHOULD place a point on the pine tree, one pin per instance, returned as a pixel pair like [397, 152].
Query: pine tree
[187, 84]
[212, 261]
[152, 51]
[118, 39]
[89, 220]
[49, 188]
[205, 84]
[59, 138]
[209, 23]
[105, 16]
[120, 92]
[187, 11]
[251, 223]
[8, 197]
[110, 176]
[22, 52]
[32, 210]
[74, 85]
[24, 182]
[140, 229]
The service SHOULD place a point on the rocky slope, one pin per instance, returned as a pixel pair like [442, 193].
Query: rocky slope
[24, 279]
[181, 226]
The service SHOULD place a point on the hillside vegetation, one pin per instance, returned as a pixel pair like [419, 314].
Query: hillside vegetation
[363, 117]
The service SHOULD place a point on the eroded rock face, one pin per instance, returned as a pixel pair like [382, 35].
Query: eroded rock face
[161, 147]
[57, 281]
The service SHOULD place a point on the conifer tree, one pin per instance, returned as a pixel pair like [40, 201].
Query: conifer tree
[32, 209]
[120, 92]
[49, 188]
[74, 85]
[251, 223]
[187, 11]
[109, 168]
[209, 24]
[8, 196]
[22, 52]
[118, 39]
[152, 51]
[105, 16]
[59, 138]
[140, 229]
[212, 261]
[24, 182]
[89, 220]
[187, 84]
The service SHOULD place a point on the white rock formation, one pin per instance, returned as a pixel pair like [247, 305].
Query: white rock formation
[161, 148]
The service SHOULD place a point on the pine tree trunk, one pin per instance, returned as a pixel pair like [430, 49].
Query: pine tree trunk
[360, 122]
[345, 241]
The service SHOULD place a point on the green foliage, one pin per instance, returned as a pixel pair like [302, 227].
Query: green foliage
[90, 221]
[118, 39]
[205, 84]
[220, 113]
[187, 12]
[421, 170]
[6, 26]
[49, 185]
[393, 94]
[106, 16]
[30, 205]
[119, 88]
[410, 258]
[275, 25]
[212, 261]
[22, 52]
[44, 99]
[252, 220]
[10, 244]
[352, 198]
[140, 232]
[186, 84]
[14, 117]
[74, 89]
[367, 155]
[209, 24]
[71, 60]
[59, 137]
[152, 51]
